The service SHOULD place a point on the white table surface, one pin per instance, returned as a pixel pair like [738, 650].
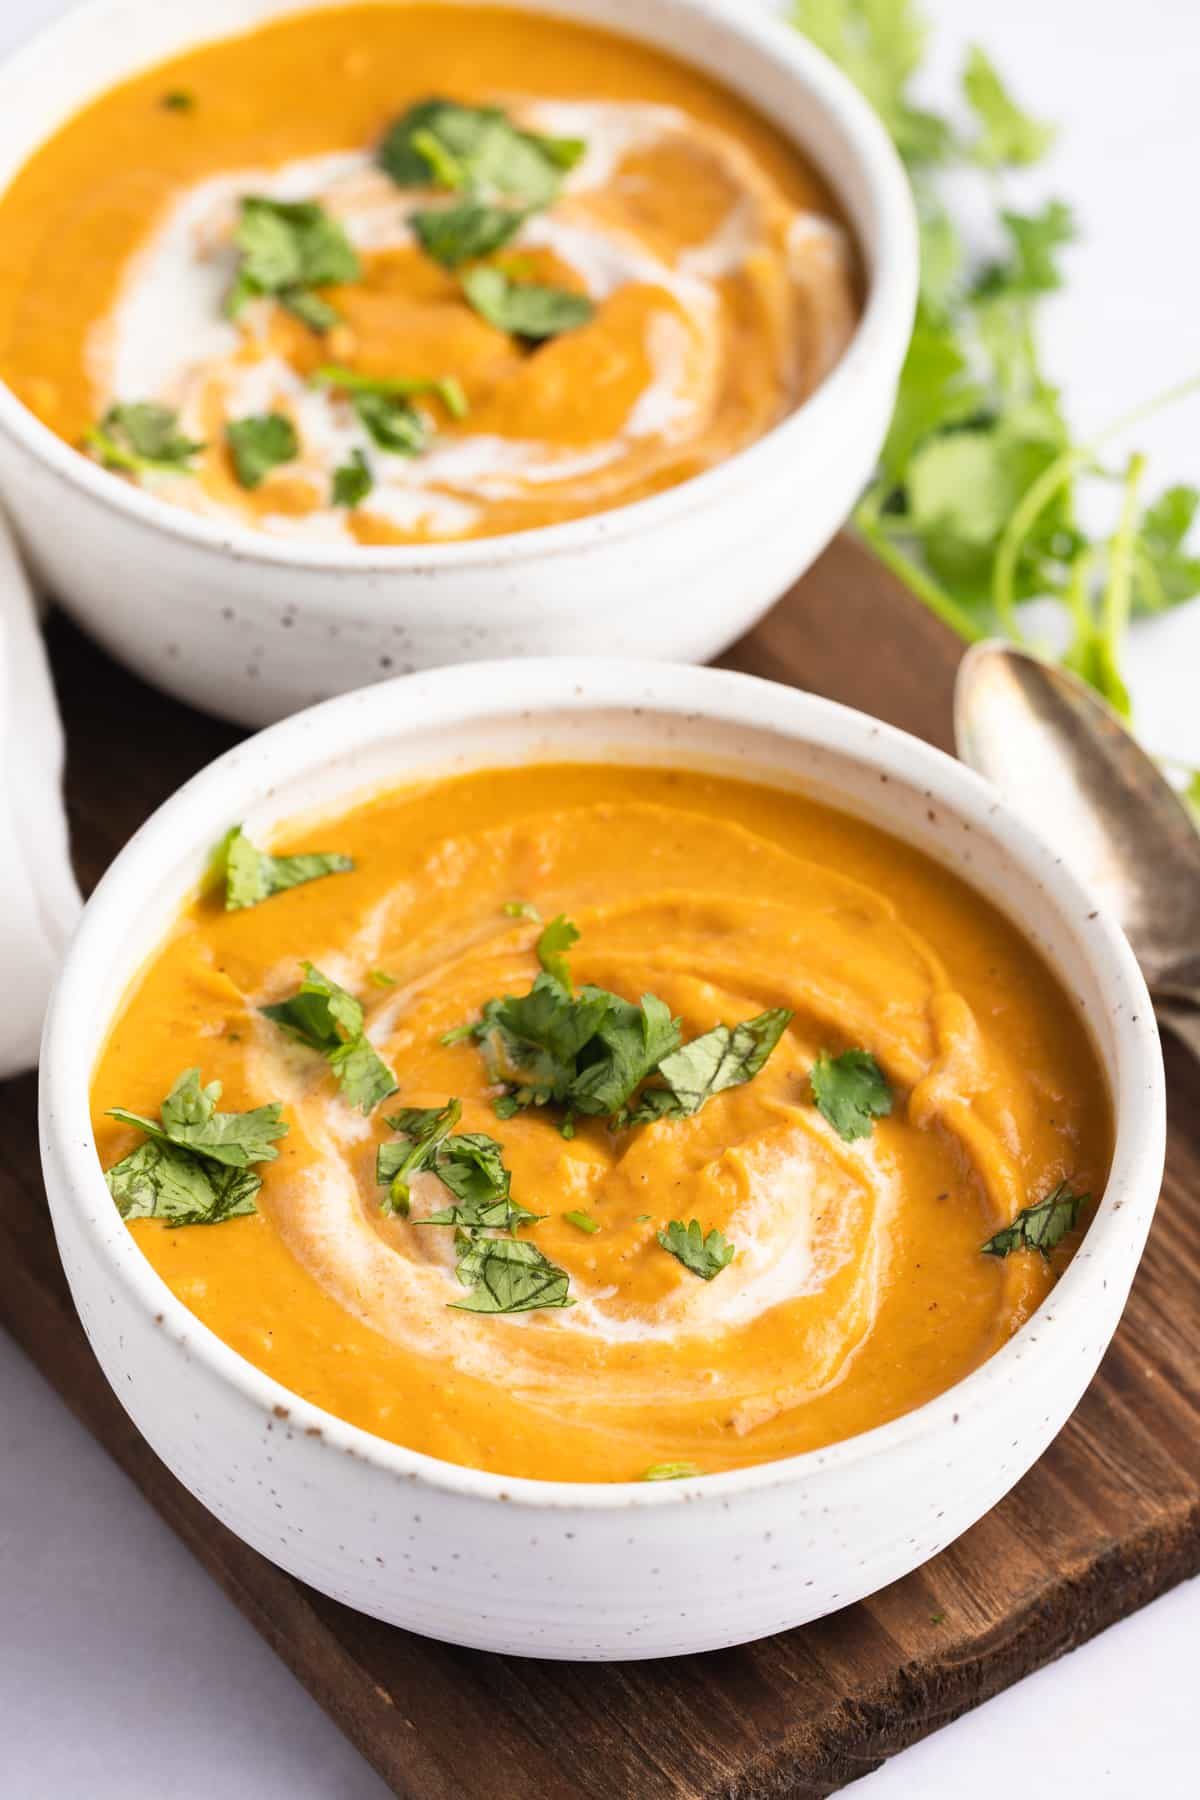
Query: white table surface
[124, 1672]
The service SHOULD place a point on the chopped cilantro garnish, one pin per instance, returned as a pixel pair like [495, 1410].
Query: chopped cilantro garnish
[195, 1168]
[385, 405]
[526, 308]
[142, 437]
[582, 1221]
[326, 1018]
[251, 876]
[976, 503]
[522, 909]
[557, 938]
[590, 1051]
[499, 173]
[353, 481]
[477, 149]
[1042, 1226]
[288, 248]
[851, 1091]
[724, 1057]
[259, 443]
[672, 1471]
[470, 1164]
[510, 1275]
[704, 1256]
[458, 234]
[178, 100]
[380, 978]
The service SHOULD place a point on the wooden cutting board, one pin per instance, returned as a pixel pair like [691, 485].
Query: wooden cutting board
[1108, 1519]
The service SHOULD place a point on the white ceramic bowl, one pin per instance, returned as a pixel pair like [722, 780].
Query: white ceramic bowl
[254, 628]
[550, 1568]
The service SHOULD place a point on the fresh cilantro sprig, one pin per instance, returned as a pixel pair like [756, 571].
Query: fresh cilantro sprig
[141, 437]
[976, 504]
[195, 1166]
[324, 1017]
[252, 876]
[851, 1091]
[1042, 1226]
[287, 249]
[704, 1255]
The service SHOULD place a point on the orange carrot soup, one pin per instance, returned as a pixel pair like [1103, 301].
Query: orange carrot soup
[601, 1123]
[418, 272]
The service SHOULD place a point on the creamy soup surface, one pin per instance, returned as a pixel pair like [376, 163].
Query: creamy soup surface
[847, 1281]
[709, 280]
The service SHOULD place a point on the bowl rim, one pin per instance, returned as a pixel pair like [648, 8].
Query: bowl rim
[874, 353]
[303, 746]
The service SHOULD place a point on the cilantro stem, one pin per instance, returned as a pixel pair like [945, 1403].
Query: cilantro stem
[934, 596]
[1038, 496]
[1118, 590]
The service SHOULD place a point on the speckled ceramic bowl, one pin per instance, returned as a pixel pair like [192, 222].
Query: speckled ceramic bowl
[253, 627]
[578, 1570]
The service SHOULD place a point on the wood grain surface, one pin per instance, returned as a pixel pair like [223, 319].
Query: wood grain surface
[1108, 1519]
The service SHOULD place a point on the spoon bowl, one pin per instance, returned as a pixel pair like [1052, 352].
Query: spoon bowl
[1066, 762]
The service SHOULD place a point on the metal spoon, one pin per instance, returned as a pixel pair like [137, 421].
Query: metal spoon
[1064, 759]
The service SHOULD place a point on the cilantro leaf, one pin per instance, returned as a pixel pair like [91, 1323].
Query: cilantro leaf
[628, 1045]
[324, 1017]
[352, 481]
[396, 1164]
[141, 436]
[1036, 239]
[1042, 1226]
[385, 405]
[851, 1091]
[879, 44]
[458, 234]
[1008, 135]
[528, 309]
[259, 443]
[470, 1164]
[476, 148]
[521, 909]
[722, 1058]
[178, 100]
[251, 876]
[1164, 573]
[672, 1471]
[704, 1256]
[160, 1181]
[510, 1275]
[445, 388]
[552, 946]
[188, 1118]
[582, 1221]
[286, 249]
[194, 1168]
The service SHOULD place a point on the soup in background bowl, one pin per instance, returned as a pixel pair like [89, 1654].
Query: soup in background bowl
[784, 1212]
[340, 342]
[412, 274]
